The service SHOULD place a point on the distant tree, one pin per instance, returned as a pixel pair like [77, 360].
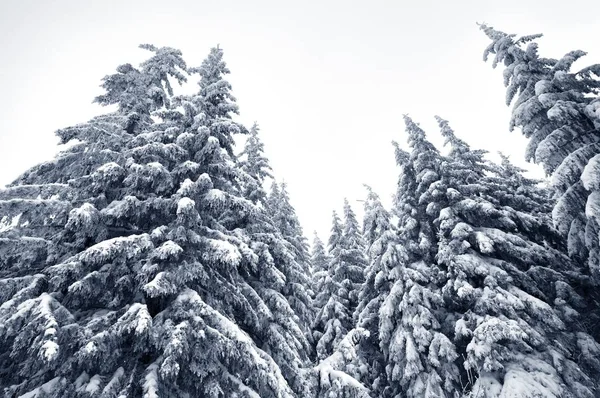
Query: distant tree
[287, 221]
[352, 256]
[333, 319]
[319, 261]
[298, 289]
[256, 165]
[384, 253]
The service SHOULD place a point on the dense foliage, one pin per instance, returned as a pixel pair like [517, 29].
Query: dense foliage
[148, 259]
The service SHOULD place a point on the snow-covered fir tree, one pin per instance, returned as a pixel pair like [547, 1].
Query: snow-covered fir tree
[293, 262]
[481, 302]
[333, 319]
[298, 289]
[332, 375]
[134, 265]
[338, 293]
[331, 378]
[413, 331]
[383, 252]
[287, 221]
[256, 165]
[508, 294]
[376, 224]
[352, 256]
[559, 111]
[319, 261]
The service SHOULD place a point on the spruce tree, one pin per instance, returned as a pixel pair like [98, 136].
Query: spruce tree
[287, 221]
[333, 375]
[256, 165]
[298, 289]
[333, 319]
[319, 261]
[413, 325]
[294, 266]
[559, 111]
[135, 266]
[352, 256]
[509, 290]
[383, 252]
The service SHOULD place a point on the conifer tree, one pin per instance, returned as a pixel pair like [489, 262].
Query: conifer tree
[559, 111]
[134, 266]
[256, 165]
[482, 302]
[298, 289]
[383, 252]
[293, 265]
[333, 375]
[339, 292]
[319, 261]
[508, 290]
[333, 319]
[413, 331]
[352, 256]
[376, 224]
[287, 221]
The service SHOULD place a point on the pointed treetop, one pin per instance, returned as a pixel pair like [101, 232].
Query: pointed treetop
[350, 223]
[336, 231]
[256, 163]
[214, 89]
[376, 217]
[318, 247]
[274, 188]
[166, 62]
[417, 137]
[424, 155]
[212, 69]
[316, 238]
[507, 164]
[447, 132]
[460, 150]
[402, 157]
[143, 90]
[319, 260]
[513, 173]
[273, 197]
[283, 191]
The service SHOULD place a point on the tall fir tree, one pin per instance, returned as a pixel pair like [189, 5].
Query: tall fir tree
[288, 223]
[333, 319]
[293, 265]
[413, 330]
[352, 256]
[509, 288]
[334, 373]
[134, 266]
[482, 304]
[383, 252]
[559, 111]
[319, 261]
[298, 289]
[256, 165]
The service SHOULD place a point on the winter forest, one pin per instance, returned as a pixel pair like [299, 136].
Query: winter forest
[156, 255]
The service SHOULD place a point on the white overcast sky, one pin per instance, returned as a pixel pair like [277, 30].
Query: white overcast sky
[328, 81]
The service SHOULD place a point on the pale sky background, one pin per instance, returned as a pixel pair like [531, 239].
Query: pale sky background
[328, 81]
